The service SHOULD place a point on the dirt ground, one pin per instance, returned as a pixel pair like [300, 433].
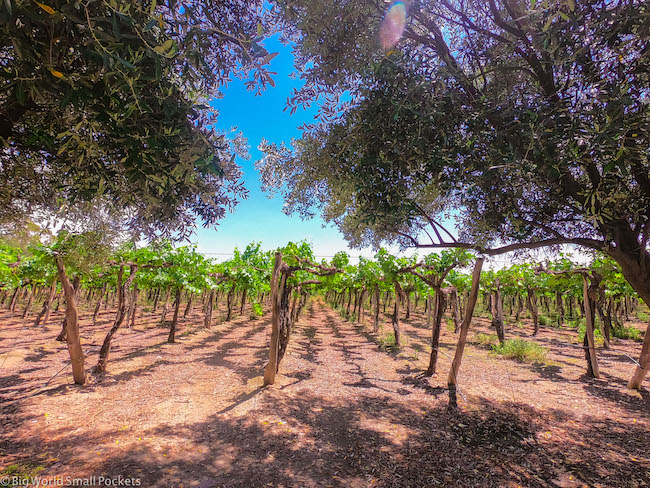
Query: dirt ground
[344, 413]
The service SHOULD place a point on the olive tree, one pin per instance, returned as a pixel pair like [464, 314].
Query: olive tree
[109, 99]
[525, 124]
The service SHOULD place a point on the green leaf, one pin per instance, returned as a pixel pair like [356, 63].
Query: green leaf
[269, 57]
[164, 47]
[548, 23]
[116, 27]
[150, 25]
[125, 63]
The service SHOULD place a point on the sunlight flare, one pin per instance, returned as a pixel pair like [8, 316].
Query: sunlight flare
[393, 25]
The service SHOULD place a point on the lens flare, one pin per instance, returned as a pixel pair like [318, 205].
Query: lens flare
[393, 26]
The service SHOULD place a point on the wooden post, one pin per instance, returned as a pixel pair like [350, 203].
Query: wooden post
[272, 366]
[464, 329]
[589, 333]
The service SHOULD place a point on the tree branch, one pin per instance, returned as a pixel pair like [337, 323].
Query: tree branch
[590, 243]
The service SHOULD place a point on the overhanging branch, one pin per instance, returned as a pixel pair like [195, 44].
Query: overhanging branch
[590, 243]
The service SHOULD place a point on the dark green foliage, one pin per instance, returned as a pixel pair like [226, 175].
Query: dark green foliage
[108, 99]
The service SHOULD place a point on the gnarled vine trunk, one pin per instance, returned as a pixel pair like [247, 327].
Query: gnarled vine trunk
[452, 379]
[496, 309]
[99, 303]
[189, 304]
[589, 340]
[439, 309]
[166, 305]
[531, 303]
[134, 305]
[396, 325]
[30, 298]
[243, 302]
[47, 307]
[122, 295]
[229, 300]
[177, 305]
[76, 282]
[72, 324]
[207, 321]
[271, 369]
[375, 328]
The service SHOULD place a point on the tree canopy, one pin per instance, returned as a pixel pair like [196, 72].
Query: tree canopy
[525, 123]
[109, 99]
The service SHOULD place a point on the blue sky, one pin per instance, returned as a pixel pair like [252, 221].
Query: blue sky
[260, 218]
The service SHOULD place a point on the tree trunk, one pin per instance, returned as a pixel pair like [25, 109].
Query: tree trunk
[362, 294]
[453, 298]
[72, 335]
[429, 309]
[30, 298]
[597, 296]
[14, 300]
[271, 368]
[285, 316]
[99, 303]
[294, 306]
[229, 299]
[47, 306]
[122, 295]
[155, 300]
[134, 305]
[76, 282]
[396, 331]
[606, 323]
[560, 309]
[634, 262]
[207, 321]
[301, 304]
[500, 330]
[531, 303]
[590, 342]
[496, 309]
[408, 305]
[452, 379]
[440, 305]
[243, 302]
[375, 328]
[177, 305]
[166, 305]
[189, 305]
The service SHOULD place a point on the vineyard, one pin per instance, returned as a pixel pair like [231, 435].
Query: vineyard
[487, 159]
[134, 315]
